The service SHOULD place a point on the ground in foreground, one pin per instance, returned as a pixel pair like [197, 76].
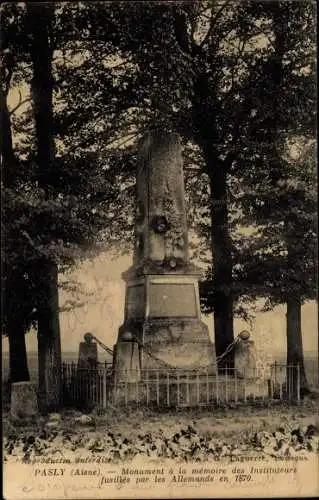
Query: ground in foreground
[182, 435]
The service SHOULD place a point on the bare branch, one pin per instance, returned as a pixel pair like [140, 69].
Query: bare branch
[129, 137]
[214, 22]
[122, 63]
[7, 78]
[181, 34]
[239, 55]
[263, 33]
[32, 243]
[20, 103]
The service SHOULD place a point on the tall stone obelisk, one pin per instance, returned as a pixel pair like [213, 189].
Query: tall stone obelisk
[162, 325]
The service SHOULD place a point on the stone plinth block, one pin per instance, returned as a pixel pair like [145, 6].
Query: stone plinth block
[172, 342]
[127, 362]
[179, 343]
[184, 355]
[24, 404]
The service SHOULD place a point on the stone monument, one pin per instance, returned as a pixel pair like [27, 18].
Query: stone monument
[162, 326]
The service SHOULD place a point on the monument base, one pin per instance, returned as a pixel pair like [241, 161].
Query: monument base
[164, 343]
[127, 362]
[181, 343]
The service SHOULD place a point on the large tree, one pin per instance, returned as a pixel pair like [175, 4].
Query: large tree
[15, 282]
[277, 195]
[58, 204]
[39, 23]
[199, 68]
[210, 71]
[179, 72]
[278, 259]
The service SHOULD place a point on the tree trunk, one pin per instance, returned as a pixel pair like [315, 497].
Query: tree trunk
[49, 340]
[207, 136]
[294, 348]
[9, 164]
[293, 327]
[19, 371]
[222, 262]
[40, 23]
[18, 362]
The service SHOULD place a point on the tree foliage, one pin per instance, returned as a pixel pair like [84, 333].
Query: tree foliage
[235, 79]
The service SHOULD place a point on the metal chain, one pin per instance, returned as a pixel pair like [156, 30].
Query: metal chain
[218, 358]
[229, 349]
[107, 349]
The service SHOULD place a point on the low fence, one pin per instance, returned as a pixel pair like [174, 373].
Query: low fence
[86, 387]
[98, 386]
[284, 381]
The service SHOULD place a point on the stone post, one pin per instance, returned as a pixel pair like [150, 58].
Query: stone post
[87, 353]
[245, 356]
[24, 404]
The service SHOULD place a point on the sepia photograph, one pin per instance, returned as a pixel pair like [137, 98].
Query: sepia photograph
[159, 249]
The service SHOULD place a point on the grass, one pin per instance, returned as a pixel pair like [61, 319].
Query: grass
[219, 422]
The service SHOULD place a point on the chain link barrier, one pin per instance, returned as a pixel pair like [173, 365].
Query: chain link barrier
[164, 363]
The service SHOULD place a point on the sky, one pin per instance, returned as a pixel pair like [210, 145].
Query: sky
[103, 313]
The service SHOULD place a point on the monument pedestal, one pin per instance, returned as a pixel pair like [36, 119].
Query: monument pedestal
[162, 323]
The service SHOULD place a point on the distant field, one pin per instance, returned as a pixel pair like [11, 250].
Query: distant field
[311, 364]
[33, 362]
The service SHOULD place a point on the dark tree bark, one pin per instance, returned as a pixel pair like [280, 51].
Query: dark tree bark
[217, 171]
[19, 371]
[222, 264]
[49, 340]
[295, 355]
[40, 21]
[294, 302]
[223, 300]
[14, 324]
[203, 131]
[7, 153]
